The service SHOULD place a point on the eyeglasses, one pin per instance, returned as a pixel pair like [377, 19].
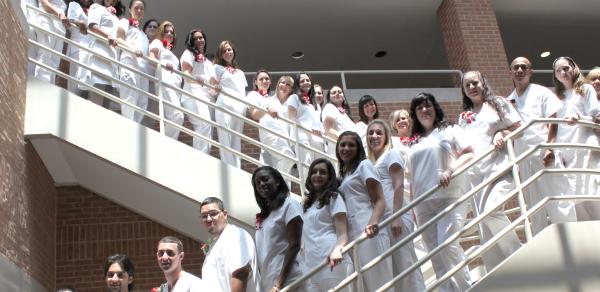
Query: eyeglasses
[212, 213]
[169, 253]
[120, 275]
[520, 66]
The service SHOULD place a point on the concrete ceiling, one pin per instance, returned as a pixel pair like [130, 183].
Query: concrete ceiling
[346, 34]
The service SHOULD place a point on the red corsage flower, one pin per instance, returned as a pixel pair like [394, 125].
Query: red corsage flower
[341, 109]
[467, 116]
[167, 44]
[408, 141]
[111, 9]
[134, 22]
[259, 221]
[263, 92]
[199, 57]
[230, 69]
[306, 98]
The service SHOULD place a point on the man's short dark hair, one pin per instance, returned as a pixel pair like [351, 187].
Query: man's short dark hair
[172, 239]
[213, 200]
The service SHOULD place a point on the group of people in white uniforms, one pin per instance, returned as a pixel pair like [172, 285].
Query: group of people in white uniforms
[77, 15]
[336, 116]
[57, 8]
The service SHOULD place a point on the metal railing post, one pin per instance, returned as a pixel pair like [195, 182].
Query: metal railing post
[517, 180]
[343, 77]
[161, 105]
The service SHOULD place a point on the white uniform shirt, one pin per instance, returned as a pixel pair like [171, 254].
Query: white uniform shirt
[137, 40]
[234, 84]
[358, 200]
[166, 56]
[52, 22]
[361, 129]
[233, 250]
[204, 70]
[318, 231]
[186, 283]
[306, 115]
[272, 243]
[536, 102]
[586, 106]
[76, 13]
[431, 156]
[271, 103]
[109, 23]
[383, 165]
[342, 121]
[483, 128]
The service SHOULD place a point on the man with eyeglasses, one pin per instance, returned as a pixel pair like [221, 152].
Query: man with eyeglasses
[170, 255]
[534, 101]
[230, 263]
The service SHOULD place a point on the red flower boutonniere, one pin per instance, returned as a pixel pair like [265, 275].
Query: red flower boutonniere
[205, 247]
[408, 141]
[259, 221]
[341, 109]
[467, 116]
[263, 92]
[306, 98]
[167, 44]
[111, 9]
[134, 22]
[230, 69]
[157, 289]
[199, 57]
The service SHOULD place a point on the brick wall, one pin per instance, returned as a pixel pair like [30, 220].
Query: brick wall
[27, 224]
[90, 228]
[473, 42]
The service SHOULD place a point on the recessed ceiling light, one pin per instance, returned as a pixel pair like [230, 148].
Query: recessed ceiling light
[545, 54]
[380, 54]
[297, 55]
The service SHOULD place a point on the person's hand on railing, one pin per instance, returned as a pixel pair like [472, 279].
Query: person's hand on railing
[215, 83]
[112, 41]
[396, 227]
[273, 113]
[139, 53]
[199, 80]
[572, 120]
[335, 257]
[317, 132]
[63, 18]
[499, 141]
[169, 67]
[445, 177]
[548, 158]
[372, 230]
[82, 27]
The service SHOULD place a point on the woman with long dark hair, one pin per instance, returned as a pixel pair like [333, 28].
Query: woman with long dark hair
[195, 63]
[325, 230]
[161, 51]
[367, 112]
[440, 150]
[361, 188]
[336, 115]
[278, 230]
[131, 36]
[231, 79]
[103, 19]
[488, 119]
[390, 166]
[77, 14]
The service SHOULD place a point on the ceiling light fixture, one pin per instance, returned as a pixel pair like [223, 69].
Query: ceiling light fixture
[297, 55]
[545, 54]
[380, 54]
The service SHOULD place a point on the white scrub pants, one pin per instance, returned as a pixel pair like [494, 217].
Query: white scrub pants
[200, 126]
[485, 200]
[279, 162]
[227, 138]
[44, 56]
[404, 257]
[133, 96]
[326, 279]
[171, 113]
[590, 210]
[437, 233]
[382, 272]
[547, 185]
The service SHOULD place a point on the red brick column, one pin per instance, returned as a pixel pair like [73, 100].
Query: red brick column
[27, 192]
[473, 42]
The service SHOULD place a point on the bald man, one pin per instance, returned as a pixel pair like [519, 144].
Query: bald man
[534, 101]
